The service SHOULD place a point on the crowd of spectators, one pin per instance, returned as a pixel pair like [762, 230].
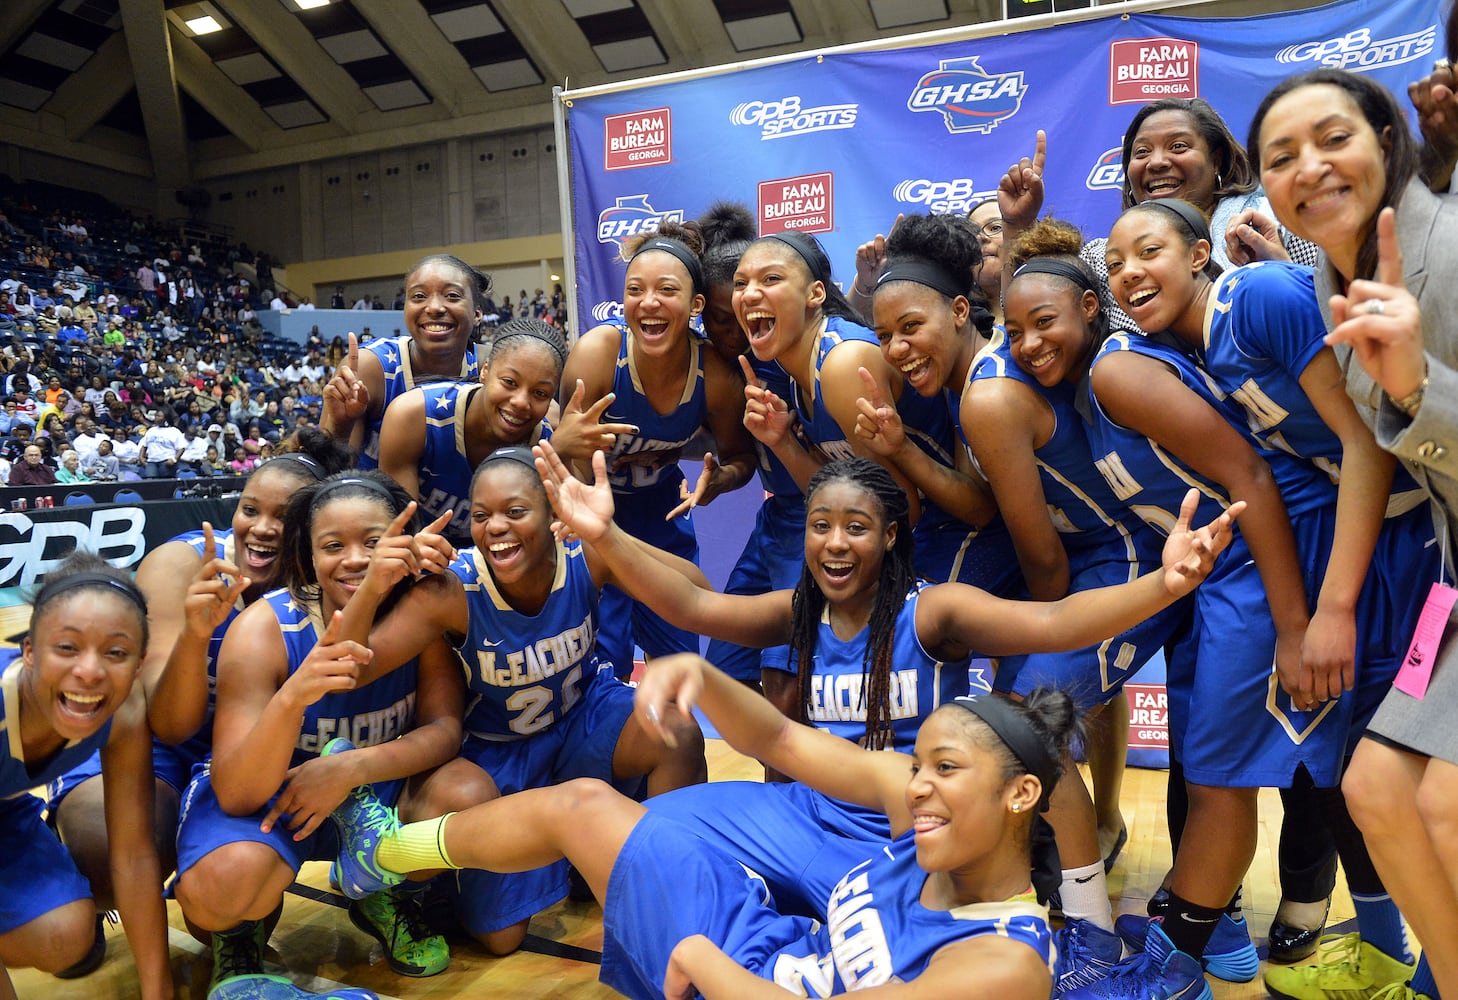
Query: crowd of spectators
[132, 349]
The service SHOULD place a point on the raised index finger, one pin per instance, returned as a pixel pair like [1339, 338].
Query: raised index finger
[353, 355]
[872, 387]
[439, 524]
[1040, 152]
[209, 551]
[1389, 251]
[750, 378]
[397, 526]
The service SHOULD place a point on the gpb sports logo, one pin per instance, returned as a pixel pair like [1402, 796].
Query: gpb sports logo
[1356, 51]
[956, 195]
[777, 119]
[1108, 171]
[607, 312]
[968, 98]
[632, 216]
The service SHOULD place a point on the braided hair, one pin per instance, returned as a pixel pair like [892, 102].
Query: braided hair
[524, 330]
[896, 580]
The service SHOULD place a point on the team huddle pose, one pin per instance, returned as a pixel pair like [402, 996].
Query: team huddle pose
[1002, 475]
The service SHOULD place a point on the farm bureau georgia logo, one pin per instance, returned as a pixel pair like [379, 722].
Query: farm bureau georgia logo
[969, 98]
[1359, 52]
[631, 215]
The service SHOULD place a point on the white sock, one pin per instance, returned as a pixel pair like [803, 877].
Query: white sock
[1085, 895]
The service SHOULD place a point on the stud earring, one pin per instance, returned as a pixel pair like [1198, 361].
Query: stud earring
[1017, 807]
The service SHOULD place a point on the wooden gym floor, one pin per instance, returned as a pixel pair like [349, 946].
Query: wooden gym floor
[316, 945]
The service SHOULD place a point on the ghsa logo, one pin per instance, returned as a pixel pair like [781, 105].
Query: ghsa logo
[969, 98]
[1108, 171]
[631, 215]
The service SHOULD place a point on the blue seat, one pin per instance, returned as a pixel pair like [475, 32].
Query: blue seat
[76, 498]
[127, 496]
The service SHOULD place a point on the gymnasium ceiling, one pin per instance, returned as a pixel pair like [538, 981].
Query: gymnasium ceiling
[139, 86]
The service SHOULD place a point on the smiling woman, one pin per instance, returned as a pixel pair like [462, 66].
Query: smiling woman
[70, 693]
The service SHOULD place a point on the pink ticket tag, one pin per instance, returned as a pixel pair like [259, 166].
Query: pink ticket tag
[1417, 667]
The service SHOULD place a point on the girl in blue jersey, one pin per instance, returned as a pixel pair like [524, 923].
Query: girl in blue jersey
[288, 686]
[667, 386]
[195, 589]
[521, 609]
[793, 314]
[443, 298]
[876, 651]
[433, 437]
[1258, 334]
[67, 694]
[775, 550]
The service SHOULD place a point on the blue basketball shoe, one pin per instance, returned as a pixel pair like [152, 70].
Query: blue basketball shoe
[1159, 972]
[261, 987]
[363, 821]
[1230, 955]
[1086, 954]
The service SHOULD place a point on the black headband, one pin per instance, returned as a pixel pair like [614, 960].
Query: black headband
[313, 468]
[53, 589]
[1013, 728]
[809, 250]
[1189, 213]
[1059, 268]
[923, 272]
[364, 482]
[514, 453]
[680, 250]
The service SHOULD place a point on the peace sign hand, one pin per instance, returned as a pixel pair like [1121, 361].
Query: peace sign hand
[1381, 320]
[580, 432]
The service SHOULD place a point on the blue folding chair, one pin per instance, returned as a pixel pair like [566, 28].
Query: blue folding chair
[78, 499]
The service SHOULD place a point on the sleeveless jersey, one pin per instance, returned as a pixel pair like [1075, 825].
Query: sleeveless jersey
[1145, 478]
[18, 775]
[367, 716]
[877, 931]
[773, 475]
[938, 534]
[649, 459]
[526, 672]
[1080, 503]
[920, 683]
[1263, 328]
[394, 356]
[445, 468]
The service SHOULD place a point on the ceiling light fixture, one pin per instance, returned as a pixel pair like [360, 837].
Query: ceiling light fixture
[310, 4]
[203, 25]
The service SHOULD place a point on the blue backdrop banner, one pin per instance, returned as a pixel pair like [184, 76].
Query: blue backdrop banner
[837, 144]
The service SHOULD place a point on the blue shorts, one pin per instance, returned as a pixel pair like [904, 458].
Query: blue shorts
[792, 836]
[172, 765]
[953, 552]
[1094, 675]
[1231, 725]
[623, 622]
[648, 910]
[37, 873]
[203, 827]
[773, 559]
[581, 745]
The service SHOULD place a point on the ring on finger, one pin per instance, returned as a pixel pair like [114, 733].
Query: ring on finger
[1375, 307]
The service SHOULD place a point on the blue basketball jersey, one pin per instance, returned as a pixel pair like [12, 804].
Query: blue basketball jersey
[394, 356]
[649, 459]
[445, 463]
[1080, 503]
[920, 683]
[1144, 477]
[367, 716]
[877, 931]
[18, 775]
[772, 472]
[526, 672]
